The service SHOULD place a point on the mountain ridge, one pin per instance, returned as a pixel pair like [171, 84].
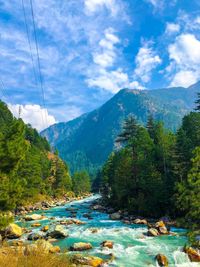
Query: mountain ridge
[95, 131]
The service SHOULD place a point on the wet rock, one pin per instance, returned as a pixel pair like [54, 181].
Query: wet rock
[140, 221]
[45, 228]
[13, 231]
[94, 230]
[35, 224]
[193, 254]
[159, 224]
[33, 217]
[80, 246]
[107, 244]
[115, 216]
[163, 230]
[78, 222]
[162, 260]
[87, 260]
[36, 236]
[152, 232]
[58, 231]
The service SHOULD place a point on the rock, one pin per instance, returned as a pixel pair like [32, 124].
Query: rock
[45, 228]
[152, 232]
[160, 224]
[94, 230]
[81, 246]
[139, 221]
[13, 231]
[162, 260]
[33, 217]
[115, 216]
[35, 236]
[58, 231]
[193, 254]
[87, 260]
[55, 249]
[78, 222]
[163, 230]
[36, 225]
[107, 244]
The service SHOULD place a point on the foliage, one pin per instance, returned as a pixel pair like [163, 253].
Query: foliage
[28, 168]
[156, 172]
[81, 182]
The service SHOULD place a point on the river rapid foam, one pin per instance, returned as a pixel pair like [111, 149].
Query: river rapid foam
[131, 247]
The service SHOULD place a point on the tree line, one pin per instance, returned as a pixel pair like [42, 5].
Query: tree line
[29, 170]
[154, 172]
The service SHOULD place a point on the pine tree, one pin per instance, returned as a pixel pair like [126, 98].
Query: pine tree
[151, 126]
[198, 103]
[188, 197]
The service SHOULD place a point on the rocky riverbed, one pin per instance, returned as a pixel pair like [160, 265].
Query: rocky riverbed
[95, 236]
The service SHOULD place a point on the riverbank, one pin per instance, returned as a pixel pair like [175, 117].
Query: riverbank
[79, 228]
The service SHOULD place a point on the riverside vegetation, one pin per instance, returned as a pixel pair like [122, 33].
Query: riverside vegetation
[152, 173]
[155, 172]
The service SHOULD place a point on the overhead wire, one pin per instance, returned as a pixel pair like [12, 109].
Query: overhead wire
[38, 61]
[31, 51]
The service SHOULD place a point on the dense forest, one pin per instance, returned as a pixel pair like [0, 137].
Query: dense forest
[29, 170]
[155, 172]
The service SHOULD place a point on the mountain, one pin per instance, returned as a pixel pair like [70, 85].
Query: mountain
[86, 142]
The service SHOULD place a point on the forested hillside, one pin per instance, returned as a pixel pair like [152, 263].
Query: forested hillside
[29, 171]
[156, 172]
[76, 140]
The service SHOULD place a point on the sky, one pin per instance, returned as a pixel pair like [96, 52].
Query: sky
[89, 50]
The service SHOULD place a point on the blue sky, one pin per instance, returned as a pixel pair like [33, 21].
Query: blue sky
[90, 49]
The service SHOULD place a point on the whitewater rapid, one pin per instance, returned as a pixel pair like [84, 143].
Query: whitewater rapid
[131, 247]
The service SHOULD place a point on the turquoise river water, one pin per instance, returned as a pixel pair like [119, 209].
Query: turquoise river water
[131, 247]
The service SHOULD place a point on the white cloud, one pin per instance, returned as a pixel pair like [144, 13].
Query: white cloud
[93, 6]
[184, 54]
[185, 78]
[33, 114]
[146, 61]
[172, 28]
[111, 81]
[107, 54]
[136, 85]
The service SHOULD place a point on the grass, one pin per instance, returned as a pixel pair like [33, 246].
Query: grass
[18, 257]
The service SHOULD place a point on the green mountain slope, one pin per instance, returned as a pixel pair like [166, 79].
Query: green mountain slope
[29, 171]
[86, 142]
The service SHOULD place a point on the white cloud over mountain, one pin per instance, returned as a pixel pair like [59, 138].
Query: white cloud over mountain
[38, 117]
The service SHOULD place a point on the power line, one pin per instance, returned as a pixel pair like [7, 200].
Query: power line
[38, 60]
[31, 51]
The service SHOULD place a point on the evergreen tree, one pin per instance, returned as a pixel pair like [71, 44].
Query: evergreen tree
[188, 196]
[81, 182]
[198, 103]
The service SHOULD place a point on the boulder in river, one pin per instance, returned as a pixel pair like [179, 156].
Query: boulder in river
[58, 231]
[80, 246]
[193, 254]
[35, 224]
[152, 232]
[13, 231]
[33, 217]
[87, 260]
[115, 216]
[45, 228]
[162, 260]
[140, 221]
[36, 236]
[107, 244]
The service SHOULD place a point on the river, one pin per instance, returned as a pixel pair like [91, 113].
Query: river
[131, 247]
